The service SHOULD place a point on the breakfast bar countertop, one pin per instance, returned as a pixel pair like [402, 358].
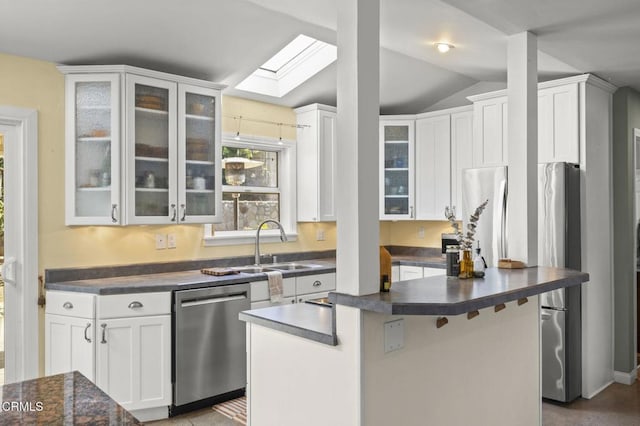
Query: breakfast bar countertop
[68, 398]
[442, 295]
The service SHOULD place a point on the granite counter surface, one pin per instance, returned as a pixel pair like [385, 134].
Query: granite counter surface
[442, 295]
[68, 399]
[185, 280]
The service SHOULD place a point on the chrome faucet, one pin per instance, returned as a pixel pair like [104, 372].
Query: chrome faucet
[283, 237]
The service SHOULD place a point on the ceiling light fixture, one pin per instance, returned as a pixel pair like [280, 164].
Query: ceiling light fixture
[444, 47]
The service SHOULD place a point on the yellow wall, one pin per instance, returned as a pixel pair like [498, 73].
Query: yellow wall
[405, 233]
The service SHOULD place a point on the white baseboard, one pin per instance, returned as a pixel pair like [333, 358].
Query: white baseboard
[597, 391]
[151, 414]
[626, 378]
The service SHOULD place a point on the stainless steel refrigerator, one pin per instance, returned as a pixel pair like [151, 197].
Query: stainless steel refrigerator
[558, 245]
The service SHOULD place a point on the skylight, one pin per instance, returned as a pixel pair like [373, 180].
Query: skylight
[297, 62]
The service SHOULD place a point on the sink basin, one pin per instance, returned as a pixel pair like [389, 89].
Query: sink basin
[289, 267]
[251, 269]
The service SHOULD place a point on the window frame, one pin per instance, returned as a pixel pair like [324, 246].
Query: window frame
[287, 189]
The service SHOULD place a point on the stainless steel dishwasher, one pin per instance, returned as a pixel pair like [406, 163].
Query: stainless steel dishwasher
[209, 345]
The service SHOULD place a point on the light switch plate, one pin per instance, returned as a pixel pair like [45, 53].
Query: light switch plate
[161, 241]
[320, 235]
[421, 232]
[393, 335]
[171, 241]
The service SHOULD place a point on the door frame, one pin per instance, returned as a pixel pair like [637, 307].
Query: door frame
[22, 352]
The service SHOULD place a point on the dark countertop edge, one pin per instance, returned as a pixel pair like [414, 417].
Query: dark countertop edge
[458, 308]
[316, 336]
[424, 264]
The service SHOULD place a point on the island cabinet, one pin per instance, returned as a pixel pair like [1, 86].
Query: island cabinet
[142, 147]
[316, 163]
[120, 342]
[397, 145]
[294, 290]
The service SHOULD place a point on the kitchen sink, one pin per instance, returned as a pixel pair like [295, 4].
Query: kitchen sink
[289, 267]
[251, 269]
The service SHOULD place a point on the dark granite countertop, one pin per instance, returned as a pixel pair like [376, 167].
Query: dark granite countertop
[442, 295]
[184, 280]
[305, 320]
[67, 398]
[170, 281]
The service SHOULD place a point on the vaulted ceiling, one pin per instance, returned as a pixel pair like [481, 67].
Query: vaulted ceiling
[226, 40]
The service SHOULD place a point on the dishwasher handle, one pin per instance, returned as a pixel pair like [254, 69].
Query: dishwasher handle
[213, 299]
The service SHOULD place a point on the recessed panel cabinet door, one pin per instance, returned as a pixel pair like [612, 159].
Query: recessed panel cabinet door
[69, 345]
[133, 360]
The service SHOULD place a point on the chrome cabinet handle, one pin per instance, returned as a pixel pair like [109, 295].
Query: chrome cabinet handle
[67, 305]
[317, 283]
[135, 305]
[184, 212]
[85, 332]
[411, 212]
[104, 331]
[114, 209]
[175, 213]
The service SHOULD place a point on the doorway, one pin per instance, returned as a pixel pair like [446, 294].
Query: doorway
[19, 128]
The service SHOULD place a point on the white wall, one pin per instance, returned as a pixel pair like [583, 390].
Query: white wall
[295, 381]
[597, 236]
[482, 371]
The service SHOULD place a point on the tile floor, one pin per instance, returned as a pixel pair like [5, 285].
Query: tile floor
[204, 417]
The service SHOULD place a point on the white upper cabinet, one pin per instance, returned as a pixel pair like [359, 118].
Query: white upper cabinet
[397, 169]
[490, 132]
[558, 132]
[558, 124]
[433, 167]
[92, 153]
[316, 163]
[151, 154]
[461, 153]
[143, 147]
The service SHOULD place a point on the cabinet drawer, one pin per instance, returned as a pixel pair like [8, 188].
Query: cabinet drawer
[432, 272]
[315, 283]
[260, 289]
[124, 305]
[80, 305]
[268, 304]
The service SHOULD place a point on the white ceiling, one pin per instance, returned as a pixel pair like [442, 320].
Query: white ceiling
[226, 40]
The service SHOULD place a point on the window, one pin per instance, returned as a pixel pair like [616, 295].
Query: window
[297, 62]
[258, 183]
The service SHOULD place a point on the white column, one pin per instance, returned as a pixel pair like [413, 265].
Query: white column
[358, 230]
[522, 204]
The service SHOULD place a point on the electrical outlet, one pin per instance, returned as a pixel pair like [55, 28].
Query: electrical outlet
[171, 241]
[393, 335]
[161, 241]
[421, 232]
[320, 235]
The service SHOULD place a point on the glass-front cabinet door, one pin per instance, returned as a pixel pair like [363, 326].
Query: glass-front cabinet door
[397, 177]
[151, 151]
[93, 149]
[198, 154]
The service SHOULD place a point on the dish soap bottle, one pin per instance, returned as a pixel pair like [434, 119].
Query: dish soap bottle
[479, 263]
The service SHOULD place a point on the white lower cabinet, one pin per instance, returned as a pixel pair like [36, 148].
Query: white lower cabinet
[122, 343]
[294, 290]
[395, 274]
[410, 272]
[69, 345]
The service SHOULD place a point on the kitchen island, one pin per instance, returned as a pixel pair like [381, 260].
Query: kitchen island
[397, 362]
